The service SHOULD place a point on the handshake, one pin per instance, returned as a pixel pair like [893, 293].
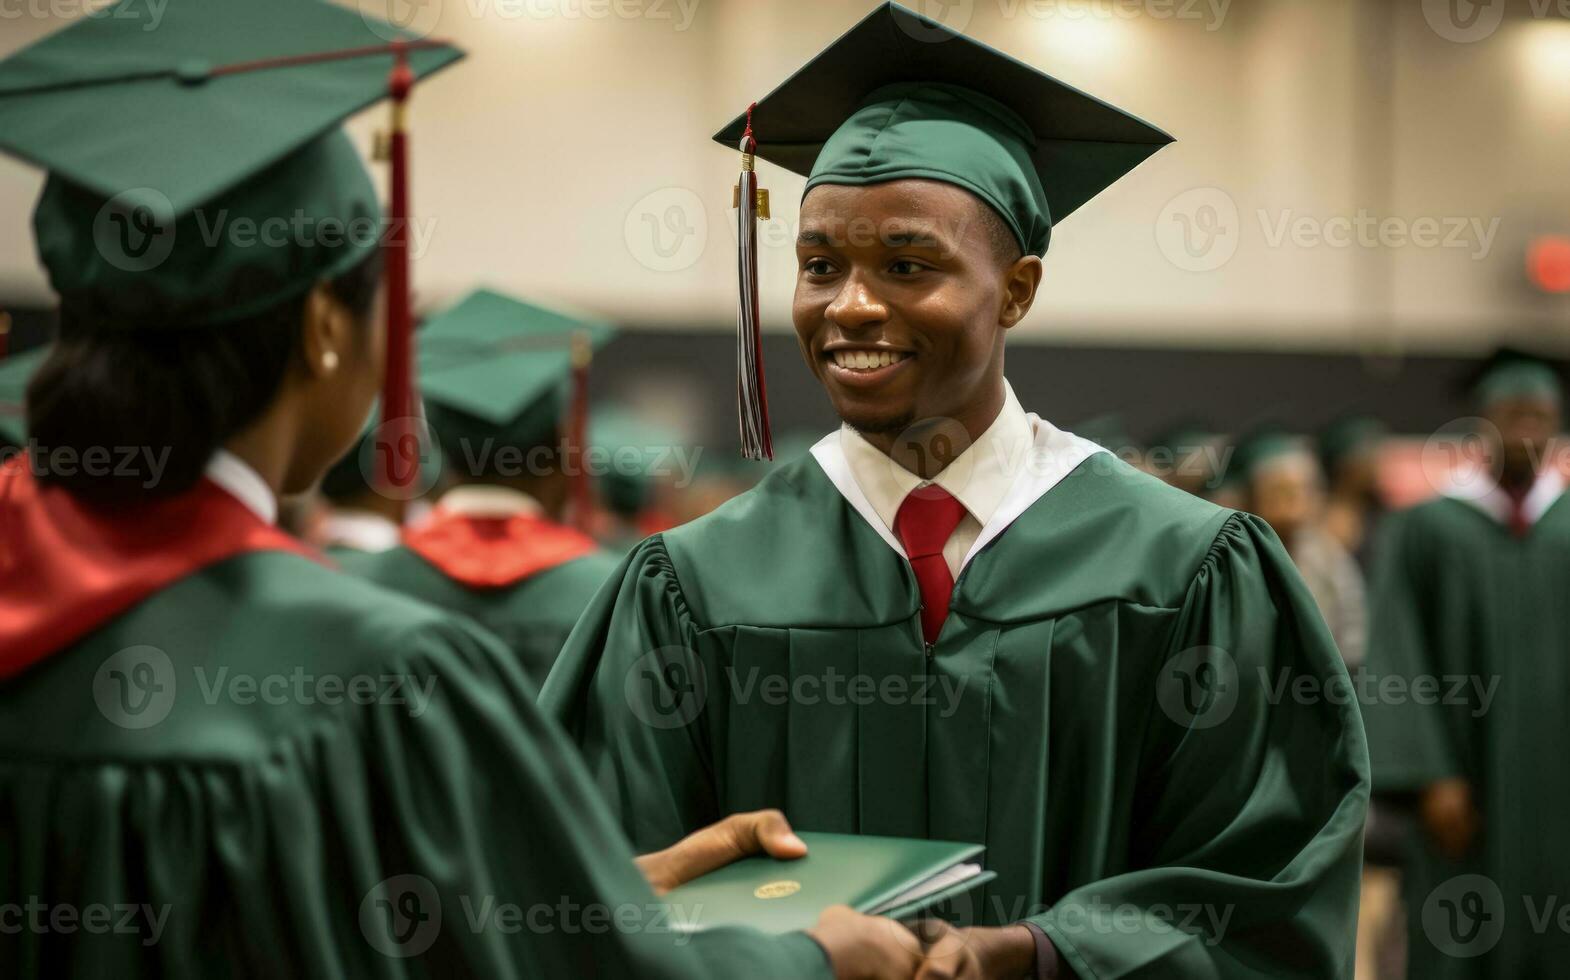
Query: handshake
[859, 947]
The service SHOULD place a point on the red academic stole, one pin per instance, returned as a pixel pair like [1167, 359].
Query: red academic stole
[66, 566]
[495, 552]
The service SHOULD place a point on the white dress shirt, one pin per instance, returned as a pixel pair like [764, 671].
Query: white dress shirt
[359, 530]
[243, 483]
[1483, 492]
[980, 478]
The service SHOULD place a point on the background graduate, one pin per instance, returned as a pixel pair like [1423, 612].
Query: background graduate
[494, 375]
[219, 757]
[1056, 655]
[1283, 485]
[1471, 585]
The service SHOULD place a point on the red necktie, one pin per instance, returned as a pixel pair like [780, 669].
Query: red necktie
[1520, 526]
[926, 519]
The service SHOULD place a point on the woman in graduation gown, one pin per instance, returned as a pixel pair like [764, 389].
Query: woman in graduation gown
[218, 756]
[221, 757]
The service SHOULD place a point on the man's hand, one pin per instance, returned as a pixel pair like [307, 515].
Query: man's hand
[1007, 953]
[867, 947]
[1449, 817]
[735, 837]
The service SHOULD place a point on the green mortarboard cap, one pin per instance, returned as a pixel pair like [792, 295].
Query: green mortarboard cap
[1263, 445]
[900, 95]
[15, 372]
[498, 368]
[1513, 373]
[168, 148]
[1347, 435]
[635, 445]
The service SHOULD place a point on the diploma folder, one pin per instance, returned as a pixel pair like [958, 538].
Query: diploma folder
[891, 876]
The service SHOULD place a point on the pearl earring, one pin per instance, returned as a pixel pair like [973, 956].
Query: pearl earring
[330, 361]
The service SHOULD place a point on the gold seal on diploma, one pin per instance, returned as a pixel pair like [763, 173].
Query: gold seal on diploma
[777, 889]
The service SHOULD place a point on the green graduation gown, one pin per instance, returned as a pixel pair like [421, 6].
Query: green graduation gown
[1480, 618]
[770, 654]
[531, 613]
[269, 768]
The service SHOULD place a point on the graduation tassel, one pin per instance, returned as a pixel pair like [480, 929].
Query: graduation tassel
[398, 439]
[752, 400]
[5, 334]
[581, 493]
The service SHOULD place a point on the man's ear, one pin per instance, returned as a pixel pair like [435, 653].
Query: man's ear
[326, 332]
[1020, 282]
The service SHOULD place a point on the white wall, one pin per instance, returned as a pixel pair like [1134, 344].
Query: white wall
[542, 159]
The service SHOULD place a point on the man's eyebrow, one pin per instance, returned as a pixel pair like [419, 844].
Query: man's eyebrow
[915, 235]
[896, 236]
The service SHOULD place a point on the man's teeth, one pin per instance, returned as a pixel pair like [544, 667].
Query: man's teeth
[867, 360]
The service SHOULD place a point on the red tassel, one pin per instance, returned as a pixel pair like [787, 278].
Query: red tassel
[581, 491]
[398, 438]
[751, 395]
[5, 334]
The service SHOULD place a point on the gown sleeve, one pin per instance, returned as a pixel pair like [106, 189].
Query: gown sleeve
[483, 804]
[431, 822]
[1247, 830]
[1410, 743]
[636, 648]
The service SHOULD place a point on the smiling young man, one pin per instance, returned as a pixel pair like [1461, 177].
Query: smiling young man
[956, 621]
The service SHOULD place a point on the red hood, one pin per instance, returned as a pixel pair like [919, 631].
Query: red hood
[495, 552]
[67, 567]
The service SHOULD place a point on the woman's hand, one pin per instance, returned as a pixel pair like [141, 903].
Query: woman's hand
[737, 836]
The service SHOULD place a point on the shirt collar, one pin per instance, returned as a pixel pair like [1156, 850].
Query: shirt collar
[360, 530]
[487, 500]
[243, 483]
[979, 478]
[1488, 496]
